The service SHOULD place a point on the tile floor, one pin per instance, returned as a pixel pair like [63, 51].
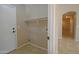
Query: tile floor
[28, 49]
[68, 46]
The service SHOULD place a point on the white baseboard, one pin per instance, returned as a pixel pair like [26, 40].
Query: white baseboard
[38, 46]
[22, 45]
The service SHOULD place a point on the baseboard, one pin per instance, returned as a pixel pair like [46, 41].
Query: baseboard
[22, 45]
[37, 46]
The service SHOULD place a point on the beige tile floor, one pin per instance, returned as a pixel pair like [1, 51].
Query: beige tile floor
[28, 49]
[68, 46]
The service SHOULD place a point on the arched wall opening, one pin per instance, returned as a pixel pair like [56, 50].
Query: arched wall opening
[69, 24]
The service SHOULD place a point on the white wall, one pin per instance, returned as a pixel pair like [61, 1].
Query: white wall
[60, 10]
[36, 27]
[21, 25]
[36, 11]
[28, 12]
[37, 33]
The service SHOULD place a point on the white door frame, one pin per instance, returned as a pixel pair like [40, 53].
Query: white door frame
[52, 30]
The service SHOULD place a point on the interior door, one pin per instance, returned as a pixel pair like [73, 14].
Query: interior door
[8, 26]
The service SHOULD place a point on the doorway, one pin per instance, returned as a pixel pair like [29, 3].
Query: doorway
[68, 24]
[68, 44]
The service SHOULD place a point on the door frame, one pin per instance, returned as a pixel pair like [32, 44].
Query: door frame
[52, 30]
